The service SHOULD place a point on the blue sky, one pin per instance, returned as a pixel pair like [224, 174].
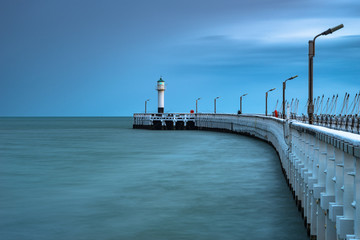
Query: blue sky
[103, 58]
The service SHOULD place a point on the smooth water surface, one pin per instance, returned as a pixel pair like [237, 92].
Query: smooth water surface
[97, 178]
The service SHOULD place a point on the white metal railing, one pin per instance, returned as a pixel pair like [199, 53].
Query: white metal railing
[147, 119]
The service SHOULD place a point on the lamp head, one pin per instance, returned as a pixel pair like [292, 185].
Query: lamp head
[272, 89]
[331, 30]
[293, 77]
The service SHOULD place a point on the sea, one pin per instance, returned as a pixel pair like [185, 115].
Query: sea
[97, 178]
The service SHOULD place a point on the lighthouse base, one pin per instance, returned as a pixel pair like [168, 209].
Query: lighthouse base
[160, 110]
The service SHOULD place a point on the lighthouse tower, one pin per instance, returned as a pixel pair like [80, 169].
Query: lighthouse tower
[161, 90]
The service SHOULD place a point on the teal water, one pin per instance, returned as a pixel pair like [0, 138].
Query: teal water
[97, 178]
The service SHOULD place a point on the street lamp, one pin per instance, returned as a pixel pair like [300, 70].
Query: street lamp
[146, 103]
[215, 104]
[197, 104]
[311, 56]
[266, 96]
[284, 87]
[241, 102]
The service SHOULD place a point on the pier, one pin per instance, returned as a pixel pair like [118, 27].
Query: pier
[321, 165]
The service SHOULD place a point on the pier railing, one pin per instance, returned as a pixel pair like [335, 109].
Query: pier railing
[348, 123]
[167, 121]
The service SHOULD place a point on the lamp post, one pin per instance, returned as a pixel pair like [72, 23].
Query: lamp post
[241, 102]
[284, 87]
[197, 104]
[310, 109]
[215, 104]
[146, 103]
[266, 96]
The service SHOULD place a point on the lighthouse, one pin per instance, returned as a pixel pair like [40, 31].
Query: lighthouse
[161, 90]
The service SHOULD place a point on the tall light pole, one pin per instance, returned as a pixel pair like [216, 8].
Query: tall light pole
[146, 103]
[310, 109]
[197, 104]
[215, 104]
[266, 96]
[241, 102]
[284, 87]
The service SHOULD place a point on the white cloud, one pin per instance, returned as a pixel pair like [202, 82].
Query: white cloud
[292, 30]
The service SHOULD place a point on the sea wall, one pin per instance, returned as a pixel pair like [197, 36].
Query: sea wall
[320, 166]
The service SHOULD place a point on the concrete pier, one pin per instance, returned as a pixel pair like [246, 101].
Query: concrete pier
[321, 166]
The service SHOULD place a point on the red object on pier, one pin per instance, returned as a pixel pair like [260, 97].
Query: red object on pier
[276, 113]
[191, 111]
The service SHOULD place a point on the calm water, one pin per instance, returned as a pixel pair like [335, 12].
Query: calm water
[97, 178]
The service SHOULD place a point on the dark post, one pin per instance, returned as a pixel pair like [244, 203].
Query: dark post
[146, 103]
[310, 100]
[214, 105]
[311, 56]
[284, 86]
[197, 104]
[241, 105]
[241, 102]
[266, 95]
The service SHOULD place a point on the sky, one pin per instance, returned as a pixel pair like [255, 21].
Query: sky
[103, 58]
